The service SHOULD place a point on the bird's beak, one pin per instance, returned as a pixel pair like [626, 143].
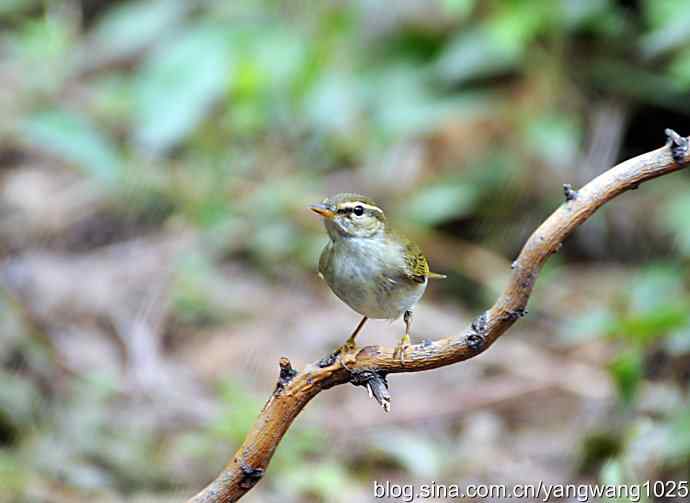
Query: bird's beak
[322, 210]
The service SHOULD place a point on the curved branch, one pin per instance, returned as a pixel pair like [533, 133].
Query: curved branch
[370, 365]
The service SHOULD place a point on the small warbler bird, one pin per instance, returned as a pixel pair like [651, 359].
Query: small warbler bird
[375, 271]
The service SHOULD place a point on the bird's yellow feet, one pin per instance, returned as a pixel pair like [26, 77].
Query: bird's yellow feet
[348, 349]
[402, 347]
[347, 353]
[349, 346]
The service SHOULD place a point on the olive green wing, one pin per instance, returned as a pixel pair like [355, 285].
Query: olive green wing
[417, 264]
[417, 267]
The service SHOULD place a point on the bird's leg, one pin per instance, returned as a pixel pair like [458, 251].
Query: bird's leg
[405, 342]
[350, 344]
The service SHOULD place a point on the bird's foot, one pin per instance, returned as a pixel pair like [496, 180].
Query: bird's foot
[402, 347]
[349, 347]
[347, 352]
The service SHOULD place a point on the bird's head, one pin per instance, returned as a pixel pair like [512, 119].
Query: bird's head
[350, 215]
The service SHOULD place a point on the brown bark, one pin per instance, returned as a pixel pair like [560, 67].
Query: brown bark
[370, 365]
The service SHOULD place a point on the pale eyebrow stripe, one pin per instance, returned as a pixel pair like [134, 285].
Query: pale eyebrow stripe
[350, 206]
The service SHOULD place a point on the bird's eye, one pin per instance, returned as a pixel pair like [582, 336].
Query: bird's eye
[358, 210]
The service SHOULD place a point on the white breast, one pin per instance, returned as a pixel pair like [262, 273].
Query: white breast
[362, 274]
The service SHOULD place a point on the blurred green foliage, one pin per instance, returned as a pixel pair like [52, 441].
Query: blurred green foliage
[227, 118]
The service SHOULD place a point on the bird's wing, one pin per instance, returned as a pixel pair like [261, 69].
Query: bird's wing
[417, 264]
[435, 275]
[324, 258]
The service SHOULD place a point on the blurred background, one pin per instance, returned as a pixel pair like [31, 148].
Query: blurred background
[157, 258]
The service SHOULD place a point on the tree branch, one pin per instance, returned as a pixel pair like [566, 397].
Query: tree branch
[370, 365]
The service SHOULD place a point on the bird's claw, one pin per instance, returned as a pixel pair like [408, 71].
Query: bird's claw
[401, 348]
[349, 347]
[347, 352]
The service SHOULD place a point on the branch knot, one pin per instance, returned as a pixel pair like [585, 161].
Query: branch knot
[476, 338]
[286, 374]
[570, 193]
[250, 476]
[515, 314]
[329, 360]
[679, 146]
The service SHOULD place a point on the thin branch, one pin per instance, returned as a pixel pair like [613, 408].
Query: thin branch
[370, 365]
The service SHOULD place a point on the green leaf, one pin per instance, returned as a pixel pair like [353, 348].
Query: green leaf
[177, 85]
[132, 26]
[574, 13]
[328, 480]
[516, 24]
[644, 328]
[42, 54]
[404, 103]
[657, 306]
[14, 475]
[192, 290]
[593, 323]
[638, 82]
[15, 7]
[612, 473]
[657, 13]
[626, 370]
[678, 447]
[74, 138]
[658, 287]
[459, 8]
[680, 68]
[555, 138]
[678, 342]
[18, 401]
[438, 203]
[333, 105]
[476, 53]
[418, 456]
[670, 23]
[670, 37]
[240, 411]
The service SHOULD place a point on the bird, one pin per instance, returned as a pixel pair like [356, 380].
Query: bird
[376, 271]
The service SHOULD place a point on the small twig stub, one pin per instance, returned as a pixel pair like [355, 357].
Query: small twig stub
[286, 375]
[286, 371]
[679, 145]
[475, 339]
[250, 475]
[569, 192]
[479, 324]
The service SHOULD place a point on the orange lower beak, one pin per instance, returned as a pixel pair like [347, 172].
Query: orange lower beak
[322, 210]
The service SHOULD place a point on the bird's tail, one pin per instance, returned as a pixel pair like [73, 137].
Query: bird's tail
[435, 275]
